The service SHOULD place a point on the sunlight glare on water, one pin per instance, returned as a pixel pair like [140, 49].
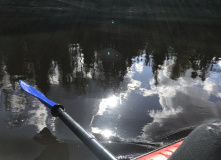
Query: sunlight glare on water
[106, 133]
[111, 101]
[107, 103]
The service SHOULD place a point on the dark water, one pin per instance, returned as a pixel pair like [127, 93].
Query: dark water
[122, 80]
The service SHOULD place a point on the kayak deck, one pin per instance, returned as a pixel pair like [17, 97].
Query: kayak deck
[162, 153]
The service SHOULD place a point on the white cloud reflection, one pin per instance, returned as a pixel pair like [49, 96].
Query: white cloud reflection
[136, 84]
[54, 75]
[108, 102]
[219, 63]
[22, 110]
[39, 117]
[133, 85]
[130, 86]
[185, 102]
[146, 92]
[139, 67]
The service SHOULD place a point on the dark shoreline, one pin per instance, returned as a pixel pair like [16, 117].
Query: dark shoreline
[185, 13]
[50, 18]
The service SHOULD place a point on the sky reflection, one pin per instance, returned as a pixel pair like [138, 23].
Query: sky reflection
[128, 112]
[185, 102]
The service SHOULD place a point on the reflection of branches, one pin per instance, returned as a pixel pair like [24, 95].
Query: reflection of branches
[179, 68]
[80, 83]
[158, 60]
[204, 63]
[41, 72]
[198, 62]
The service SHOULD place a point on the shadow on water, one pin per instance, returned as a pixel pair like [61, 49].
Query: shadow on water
[54, 149]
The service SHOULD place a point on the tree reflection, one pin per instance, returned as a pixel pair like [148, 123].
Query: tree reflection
[158, 58]
[106, 59]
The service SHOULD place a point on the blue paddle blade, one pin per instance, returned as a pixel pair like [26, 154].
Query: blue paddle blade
[34, 92]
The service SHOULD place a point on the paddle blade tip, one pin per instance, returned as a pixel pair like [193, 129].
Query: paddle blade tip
[34, 92]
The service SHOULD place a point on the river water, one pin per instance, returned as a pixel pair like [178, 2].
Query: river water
[123, 80]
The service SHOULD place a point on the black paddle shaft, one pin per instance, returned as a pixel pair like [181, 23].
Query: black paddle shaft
[89, 140]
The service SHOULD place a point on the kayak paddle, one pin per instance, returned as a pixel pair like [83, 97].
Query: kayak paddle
[58, 111]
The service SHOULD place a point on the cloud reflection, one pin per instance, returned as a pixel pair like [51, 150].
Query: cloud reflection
[121, 116]
[21, 109]
[54, 75]
[139, 67]
[108, 103]
[185, 102]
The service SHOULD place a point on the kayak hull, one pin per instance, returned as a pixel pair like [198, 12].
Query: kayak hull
[162, 153]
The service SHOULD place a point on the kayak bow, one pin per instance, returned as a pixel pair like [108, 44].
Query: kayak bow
[162, 153]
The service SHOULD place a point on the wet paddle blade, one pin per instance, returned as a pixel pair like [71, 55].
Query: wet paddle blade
[34, 92]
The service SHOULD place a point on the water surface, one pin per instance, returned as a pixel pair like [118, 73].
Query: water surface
[125, 81]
